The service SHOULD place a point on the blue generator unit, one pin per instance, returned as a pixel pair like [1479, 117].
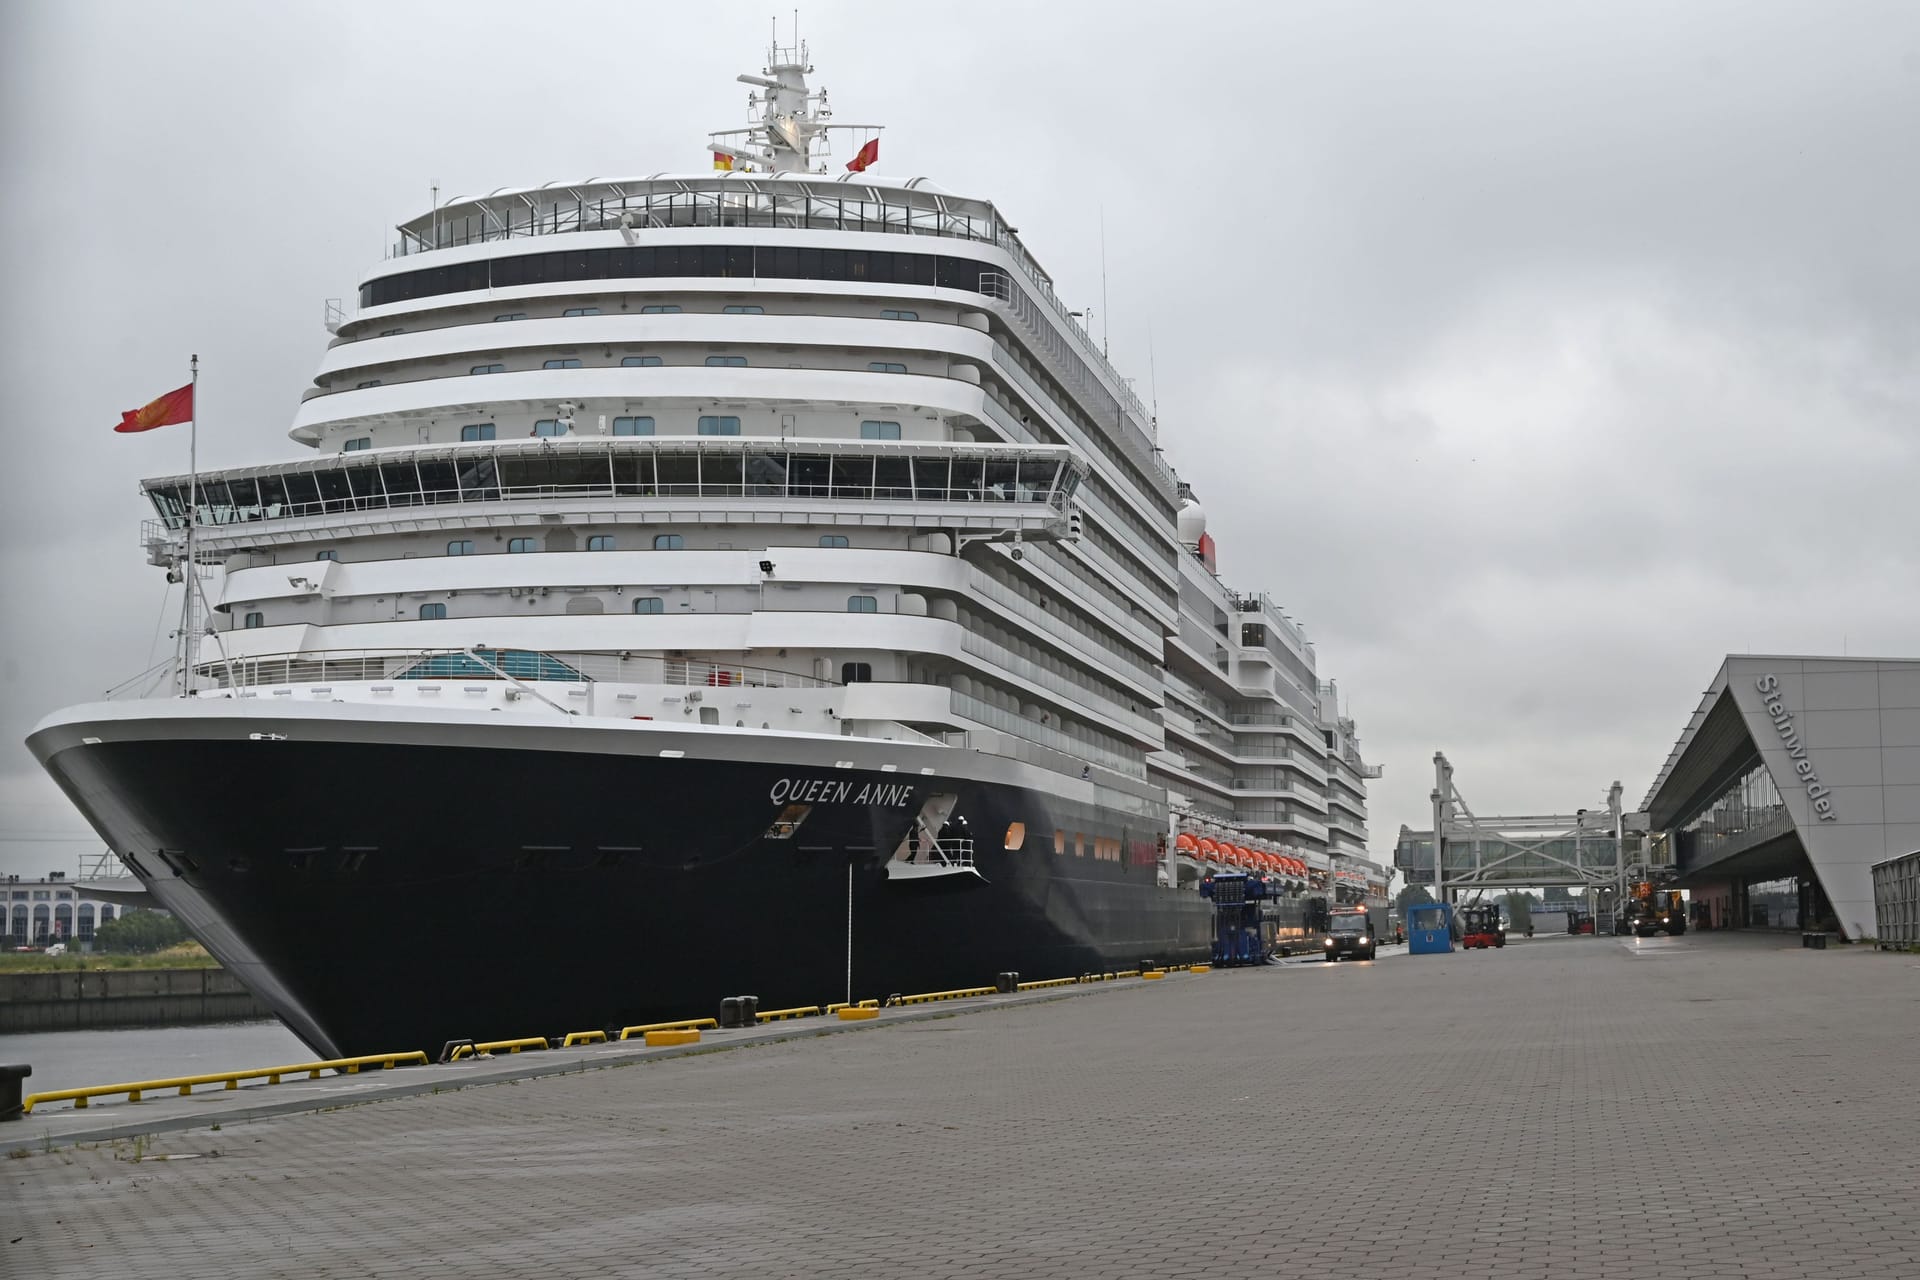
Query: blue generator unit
[1239, 937]
[1429, 929]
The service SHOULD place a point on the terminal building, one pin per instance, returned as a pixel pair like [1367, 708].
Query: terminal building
[1792, 778]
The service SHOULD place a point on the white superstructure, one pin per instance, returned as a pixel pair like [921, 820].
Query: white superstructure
[765, 449]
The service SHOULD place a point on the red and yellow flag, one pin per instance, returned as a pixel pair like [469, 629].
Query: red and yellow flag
[722, 160]
[866, 156]
[175, 406]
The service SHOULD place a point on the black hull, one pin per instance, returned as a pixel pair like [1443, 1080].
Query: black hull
[396, 895]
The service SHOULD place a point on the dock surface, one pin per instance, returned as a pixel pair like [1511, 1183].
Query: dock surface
[1708, 1106]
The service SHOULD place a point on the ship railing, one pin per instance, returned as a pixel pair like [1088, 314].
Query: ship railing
[1121, 414]
[952, 852]
[725, 204]
[321, 667]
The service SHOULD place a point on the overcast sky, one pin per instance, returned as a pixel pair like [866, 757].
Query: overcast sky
[1534, 356]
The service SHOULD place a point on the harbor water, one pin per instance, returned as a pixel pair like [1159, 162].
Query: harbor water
[72, 1059]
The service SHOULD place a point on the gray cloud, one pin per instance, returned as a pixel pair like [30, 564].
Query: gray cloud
[1534, 356]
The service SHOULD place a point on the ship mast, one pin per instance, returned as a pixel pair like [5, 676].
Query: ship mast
[791, 117]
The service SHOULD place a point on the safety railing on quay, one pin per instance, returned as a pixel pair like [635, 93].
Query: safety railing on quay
[185, 1085]
[681, 1032]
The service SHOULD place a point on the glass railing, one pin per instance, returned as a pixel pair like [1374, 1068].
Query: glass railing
[601, 467]
[1065, 744]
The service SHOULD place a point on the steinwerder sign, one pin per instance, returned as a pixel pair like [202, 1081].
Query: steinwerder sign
[1769, 688]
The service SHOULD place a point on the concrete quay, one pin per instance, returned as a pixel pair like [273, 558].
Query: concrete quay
[1708, 1106]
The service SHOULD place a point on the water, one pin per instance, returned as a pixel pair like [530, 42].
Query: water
[73, 1059]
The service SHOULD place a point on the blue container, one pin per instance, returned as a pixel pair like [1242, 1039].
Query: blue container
[1429, 929]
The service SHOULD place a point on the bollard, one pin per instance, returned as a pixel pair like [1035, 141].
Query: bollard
[11, 1075]
[740, 1011]
[1007, 983]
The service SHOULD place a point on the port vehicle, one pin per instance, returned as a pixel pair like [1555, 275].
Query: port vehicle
[1579, 922]
[1480, 927]
[757, 544]
[1349, 933]
[1650, 910]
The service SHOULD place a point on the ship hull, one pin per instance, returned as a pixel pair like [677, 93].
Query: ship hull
[393, 885]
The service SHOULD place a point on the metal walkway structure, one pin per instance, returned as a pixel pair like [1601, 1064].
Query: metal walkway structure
[1509, 851]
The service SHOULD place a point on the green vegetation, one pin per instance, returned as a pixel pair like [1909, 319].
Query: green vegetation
[140, 933]
[1520, 909]
[190, 955]
[1411, 895]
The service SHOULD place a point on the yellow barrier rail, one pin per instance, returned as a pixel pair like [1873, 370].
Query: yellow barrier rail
[779, 1015]
[1046, 982]
[963, 993]
[685, 1024]
[496, 1046]
[860, 1004]
[583, 1037]
[231, 1079]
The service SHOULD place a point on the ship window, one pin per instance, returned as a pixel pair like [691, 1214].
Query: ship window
[737, 310]
[862, 604]
[640, 362]
[549, 427]
[255, 620]
[660, 309]
[879, 431]
[885, 366]
[326, 555]
[668, 542]
[726, 362]
[1059, 841]
[833, 539]
[648, 604]
[899, 315]
[370, 382]
[789, 821]
[711, 425]
[561, 364]
[477, 431]
[633, 426]
[488, 368]
[521, 546]
[600, 542]
[1016, 835]
[431, 612]
[580, 311]
[460, 547]
[856, 672]
[356, 444]
[388, 333]
[511, 315]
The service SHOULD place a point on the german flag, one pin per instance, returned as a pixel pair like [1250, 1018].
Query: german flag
[175, 406]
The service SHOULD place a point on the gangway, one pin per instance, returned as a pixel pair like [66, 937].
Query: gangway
[1585, 849]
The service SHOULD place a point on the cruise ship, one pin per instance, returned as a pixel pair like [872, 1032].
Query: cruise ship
[743, 581]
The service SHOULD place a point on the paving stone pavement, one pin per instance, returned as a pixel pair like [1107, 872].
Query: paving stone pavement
[1711, 1106]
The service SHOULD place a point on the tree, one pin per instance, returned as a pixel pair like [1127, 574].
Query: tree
[1411, 895]
[140, 932]
[1520, 910]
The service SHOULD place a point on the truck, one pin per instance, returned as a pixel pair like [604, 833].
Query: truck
[1350, 933]
[1650, 910]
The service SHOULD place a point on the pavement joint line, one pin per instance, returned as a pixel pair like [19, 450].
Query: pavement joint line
[339, 1092]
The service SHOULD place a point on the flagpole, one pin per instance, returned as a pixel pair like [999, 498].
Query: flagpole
[193, 518]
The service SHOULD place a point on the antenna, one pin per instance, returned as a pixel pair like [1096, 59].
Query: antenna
[1106, 315]
[1153, 381]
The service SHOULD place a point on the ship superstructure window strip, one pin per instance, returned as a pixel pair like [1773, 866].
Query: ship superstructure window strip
[644, 467]
[708, 261]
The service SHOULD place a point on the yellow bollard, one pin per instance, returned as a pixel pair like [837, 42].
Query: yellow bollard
[857, 1014]
[656, 1039]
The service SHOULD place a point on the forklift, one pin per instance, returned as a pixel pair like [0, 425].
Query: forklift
[1480, 927]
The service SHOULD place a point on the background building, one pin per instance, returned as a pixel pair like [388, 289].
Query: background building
[1794, 776]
